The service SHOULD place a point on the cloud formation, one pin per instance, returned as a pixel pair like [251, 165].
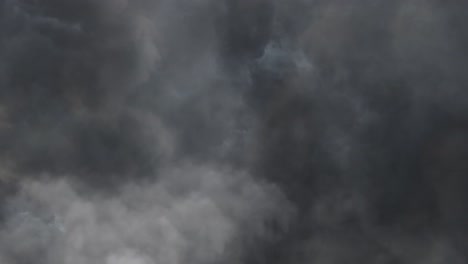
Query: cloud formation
[175, 131]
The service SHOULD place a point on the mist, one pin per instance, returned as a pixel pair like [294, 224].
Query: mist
[233, 131]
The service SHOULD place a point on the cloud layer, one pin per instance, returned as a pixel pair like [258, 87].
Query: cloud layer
[175, 131]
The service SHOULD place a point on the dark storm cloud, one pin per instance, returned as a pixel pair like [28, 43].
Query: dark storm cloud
[350, 130]
[123, 138]
[144, 132]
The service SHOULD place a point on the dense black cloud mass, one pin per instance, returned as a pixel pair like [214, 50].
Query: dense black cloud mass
[243, 131]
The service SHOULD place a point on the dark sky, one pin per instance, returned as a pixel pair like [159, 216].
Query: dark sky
[233, 131]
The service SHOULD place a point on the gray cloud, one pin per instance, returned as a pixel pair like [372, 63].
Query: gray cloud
[317, 131]
[190, 215]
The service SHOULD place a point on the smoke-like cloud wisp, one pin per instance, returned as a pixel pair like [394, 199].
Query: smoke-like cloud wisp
[233, 131]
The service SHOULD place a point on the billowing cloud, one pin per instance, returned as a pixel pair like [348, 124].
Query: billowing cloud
[234, 131]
